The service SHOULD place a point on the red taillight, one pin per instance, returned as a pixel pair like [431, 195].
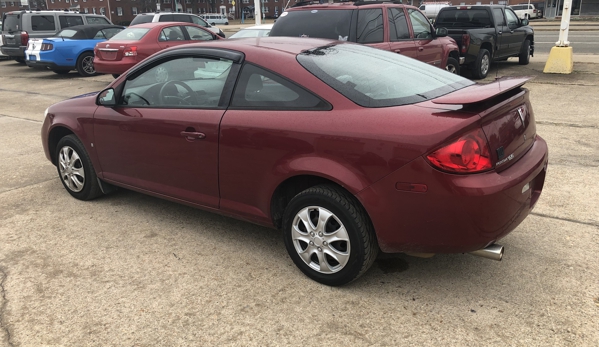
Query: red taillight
[468, 154]
[47, 47]
[130, 51]
[465, 43]
[24, 38]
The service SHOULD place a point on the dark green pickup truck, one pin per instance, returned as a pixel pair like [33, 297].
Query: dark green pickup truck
[487, 33]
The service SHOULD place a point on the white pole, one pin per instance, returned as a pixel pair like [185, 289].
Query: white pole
[258, 12]
[565, 26]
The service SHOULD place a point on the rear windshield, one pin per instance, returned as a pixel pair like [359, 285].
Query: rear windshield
[325, 24]
[67, 33]
[130, 34]
[11, 23]
[376, 78]
[519, 7]
[142, 18]
[463, 18]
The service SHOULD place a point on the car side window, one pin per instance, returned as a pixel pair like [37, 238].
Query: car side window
[370, 26]
[97, 20]
[512, 19]
[171, 34]
[43, 23]
[199, 21]
[69, 21]
[258, 88]
[99, 35]
[398, 25]
[498, 16]
[181, 18]
[189, 82]
[110, 32]
[420, 25]
[197, 34]
[166, 18]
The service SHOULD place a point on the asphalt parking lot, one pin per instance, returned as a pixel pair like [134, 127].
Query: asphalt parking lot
[133, 270]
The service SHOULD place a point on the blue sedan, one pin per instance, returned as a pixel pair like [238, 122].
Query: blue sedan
[71, 49]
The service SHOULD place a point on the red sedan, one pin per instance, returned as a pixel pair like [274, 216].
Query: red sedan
[136, 43]
[348, 149]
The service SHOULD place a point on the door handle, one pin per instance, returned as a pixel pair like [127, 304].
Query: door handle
[397, 50]
[499, 33]
[420, 49]
[192, 135]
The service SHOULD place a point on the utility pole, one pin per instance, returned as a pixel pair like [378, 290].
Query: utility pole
[561, 56]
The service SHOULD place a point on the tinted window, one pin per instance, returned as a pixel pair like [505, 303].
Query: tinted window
[43, 23]
[498, 15]
[142, 18]
[166, 18]
[110, 32]
[131, 34]
[97, 20]
[11, 22]
[199, 21]
[463, 18]
[398, 25]
[420, 25]
[370, 26]
[376, 78]
[327, 24]
[181, 18]
[260, 89]
[188, 82]
[69, 21]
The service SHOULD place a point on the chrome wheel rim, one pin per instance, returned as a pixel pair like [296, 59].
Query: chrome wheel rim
[451, 68]
[71, 169]
[320, 240]
[161, 74]
[88, 65]
[484, 65]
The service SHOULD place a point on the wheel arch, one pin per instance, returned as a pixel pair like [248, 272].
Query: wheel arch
[54, 137]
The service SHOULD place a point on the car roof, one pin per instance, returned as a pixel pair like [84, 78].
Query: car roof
[349, 4]
[162, 24]
[90, 30]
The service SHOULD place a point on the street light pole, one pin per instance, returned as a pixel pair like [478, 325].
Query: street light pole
[258, 12]
[561, 59]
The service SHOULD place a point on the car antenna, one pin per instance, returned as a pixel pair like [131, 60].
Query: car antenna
[499, 39]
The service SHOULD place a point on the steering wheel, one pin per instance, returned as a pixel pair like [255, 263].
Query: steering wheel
[178, 99]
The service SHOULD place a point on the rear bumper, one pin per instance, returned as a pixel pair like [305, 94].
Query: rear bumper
[113, 67]
[14, 52]
[457, 213]
[47, 65]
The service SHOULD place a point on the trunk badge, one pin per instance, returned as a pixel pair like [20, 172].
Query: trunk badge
[107, 45]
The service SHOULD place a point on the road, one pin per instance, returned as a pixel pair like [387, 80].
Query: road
[133, 270]
[582, 42]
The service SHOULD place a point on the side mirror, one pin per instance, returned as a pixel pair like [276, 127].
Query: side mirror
[524, 22]
[441, 32]
[106, 98]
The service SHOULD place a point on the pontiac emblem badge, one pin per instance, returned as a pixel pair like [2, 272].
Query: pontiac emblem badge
[521, 114]
[107, 45]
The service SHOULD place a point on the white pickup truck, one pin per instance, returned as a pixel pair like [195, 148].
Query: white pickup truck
[526, 11]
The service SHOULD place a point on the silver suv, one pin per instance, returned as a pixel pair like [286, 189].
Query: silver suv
[175, 17]
[19, 26]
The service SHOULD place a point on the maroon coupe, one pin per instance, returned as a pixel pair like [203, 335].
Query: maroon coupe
[346, 148]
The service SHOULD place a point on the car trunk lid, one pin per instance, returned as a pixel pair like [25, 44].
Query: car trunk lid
[111, 50]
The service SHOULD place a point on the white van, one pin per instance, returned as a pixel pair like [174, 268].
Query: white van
[214, 19]
[431, 9]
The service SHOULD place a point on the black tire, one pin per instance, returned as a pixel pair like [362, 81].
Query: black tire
[61, 72]
[524, 57]
[20, 60]
[453, 65]
[482, 64]
[115, 75]
[76, 170]
[356, 249]
[85, 64]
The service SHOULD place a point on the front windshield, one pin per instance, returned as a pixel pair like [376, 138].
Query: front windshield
[375, 78]
[130, 34]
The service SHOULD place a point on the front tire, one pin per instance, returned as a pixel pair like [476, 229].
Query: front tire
[85, 64]
[76, 170]
[328, 235]
[524, 57]
[453, 65]
[482, 64]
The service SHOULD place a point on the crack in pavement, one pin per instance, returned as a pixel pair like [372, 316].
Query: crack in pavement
[3, 326]
[593, 224]
[29, 185]
[19, 118]
[570, 125]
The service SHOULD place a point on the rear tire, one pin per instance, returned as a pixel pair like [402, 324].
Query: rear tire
[85, 64]
[482, 64]
[20, 60]
[328, 235]
[453, 65]
[524, 57]
[61, 72]
[115, 75]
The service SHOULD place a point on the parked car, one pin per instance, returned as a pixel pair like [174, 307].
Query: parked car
[20, 26]
[138, 42]
[346, 148]
[525, 11]
[486, 34]
[389, 26]
[175, 17]
[253, 31]
[71, 49]
[431, 9]
[215, 18]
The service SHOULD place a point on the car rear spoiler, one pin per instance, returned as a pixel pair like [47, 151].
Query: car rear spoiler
[481, 92]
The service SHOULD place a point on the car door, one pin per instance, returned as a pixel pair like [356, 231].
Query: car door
[162, 136]
[400, 39]
[517, 33]
[503, 33]
[430, 50]
[171, 36]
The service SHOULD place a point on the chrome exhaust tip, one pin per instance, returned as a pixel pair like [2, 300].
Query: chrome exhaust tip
[494, 252]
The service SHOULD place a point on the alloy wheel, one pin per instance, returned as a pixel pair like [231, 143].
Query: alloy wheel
[71, 169]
